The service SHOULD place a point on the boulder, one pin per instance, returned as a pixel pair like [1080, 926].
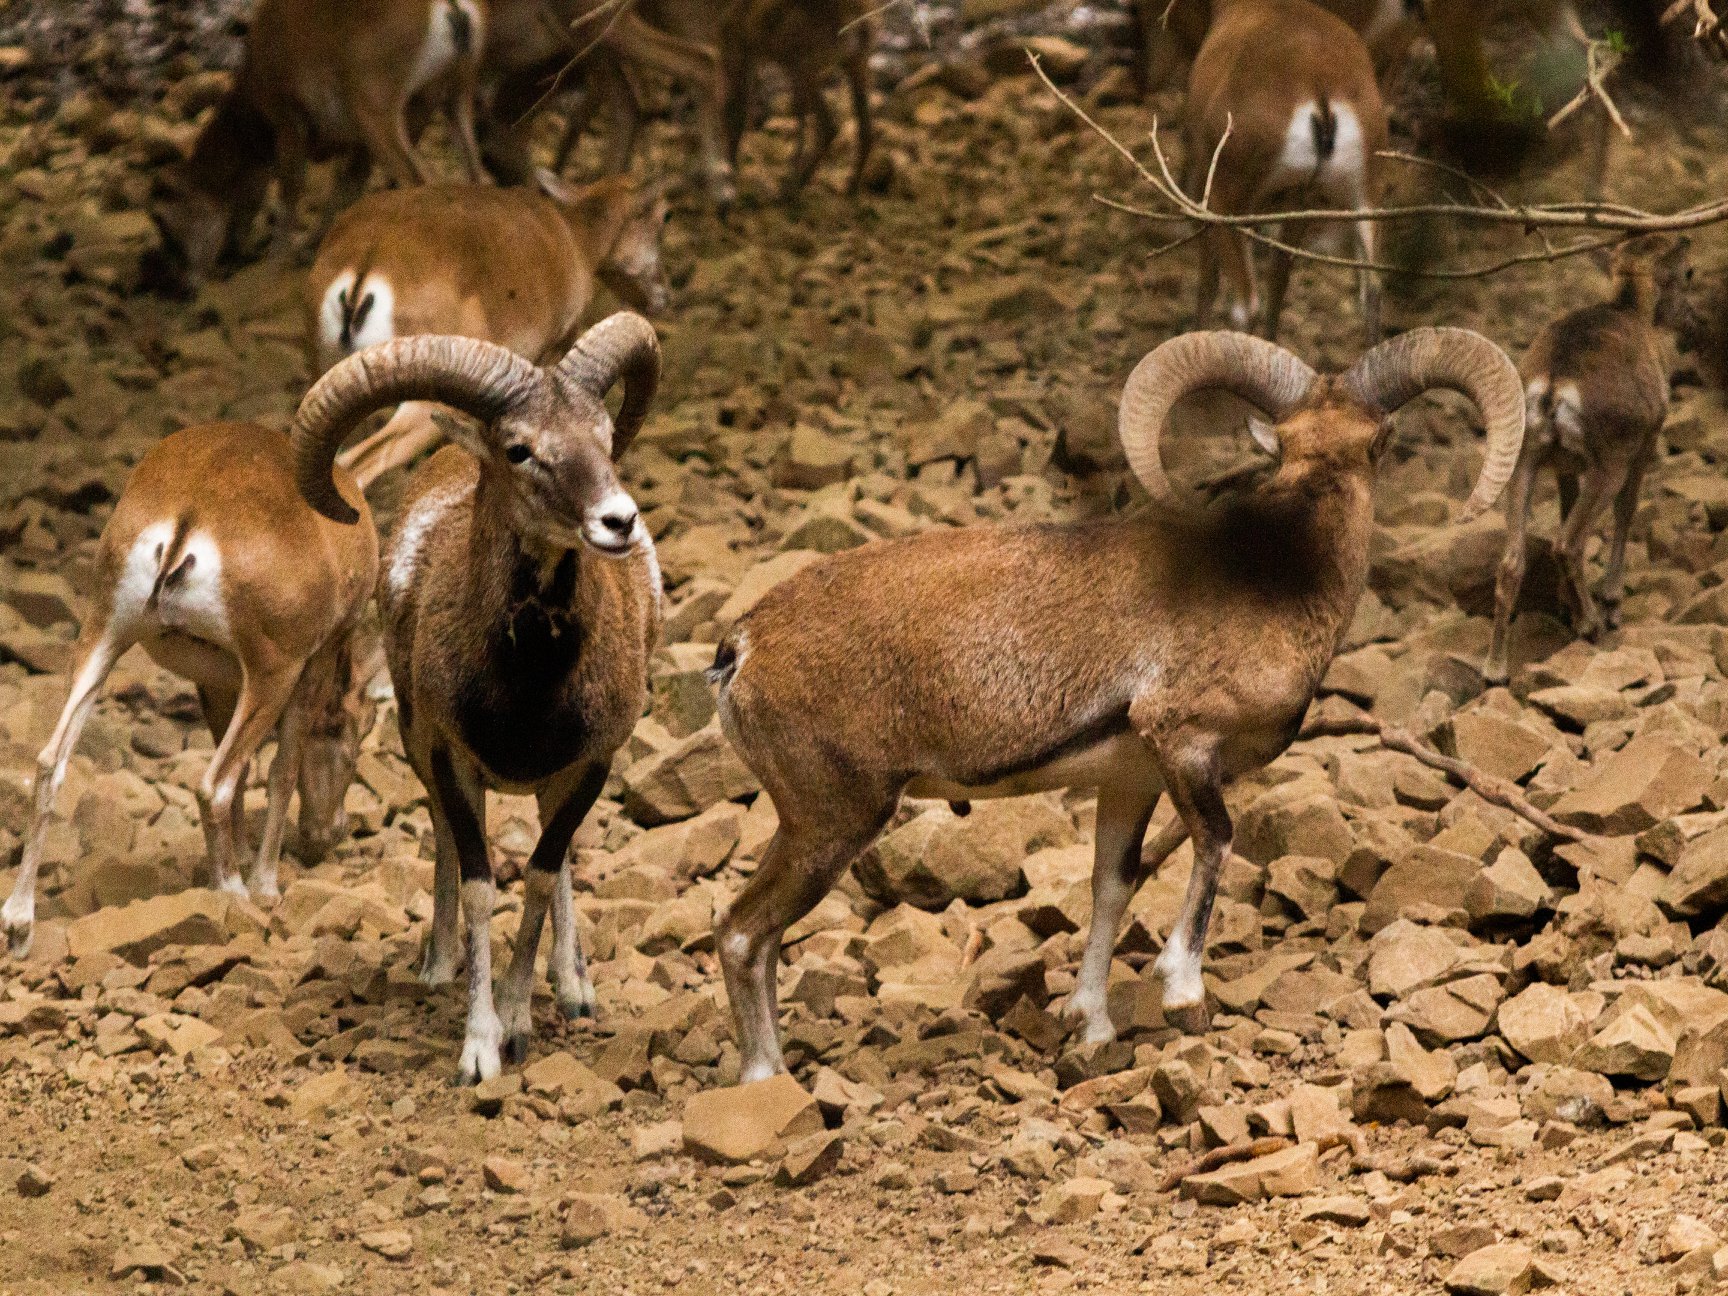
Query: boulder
[1699, 883]
[940, 857]
[1546, 1023]
[1503, 1269]
[1643, 783]
[1290, 1173]
[1427, 880]
[196, 916]
[1634, 1044]
[685, 779]
[1455, 1011]
[730, 1126]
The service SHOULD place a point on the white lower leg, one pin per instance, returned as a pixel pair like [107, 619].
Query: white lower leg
[284, 770]
[1179, 968]
[480, 1060]
[18, 915]
[766, 1059]
[515, 998]
[569, 968]
[1089, 1005]
[758, 1051]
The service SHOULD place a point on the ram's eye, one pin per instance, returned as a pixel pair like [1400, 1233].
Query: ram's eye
[518, 453]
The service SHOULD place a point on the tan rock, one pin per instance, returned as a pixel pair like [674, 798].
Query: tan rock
[1495, 744]
[1427, 880]
[810, 1158]
[940, 857]
[687, 778]
[1698, 884]
[1634, 1044]
[1509, 889]
[1546, 1023]
[743, 1122]
[761, 578]
[197, 916]
[1684, 1235]
[391, 1243]
[1289, 1173]
[1634, 788]
[1455, 1011]
[1074, 1199]
[329, 1093]
[1503, 1269]
[1308, 883]
[1405, 955]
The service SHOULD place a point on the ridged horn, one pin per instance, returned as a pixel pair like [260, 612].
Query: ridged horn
[1401, 369]
[624, 346]
[478, 378]
[1265, 375]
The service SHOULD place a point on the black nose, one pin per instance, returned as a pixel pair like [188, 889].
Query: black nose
[619, 520]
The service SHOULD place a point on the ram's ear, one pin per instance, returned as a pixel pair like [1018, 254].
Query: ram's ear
[1265, 435]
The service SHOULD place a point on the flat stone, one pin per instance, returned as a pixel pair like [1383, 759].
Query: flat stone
[1290, 1173]
[730, 1126]
[1635, 788]
[197, 916]
[1503, 1269]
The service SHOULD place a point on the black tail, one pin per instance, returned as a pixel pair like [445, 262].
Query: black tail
[356, 306]
[171, 565]
[1324, 124]
[461, 29]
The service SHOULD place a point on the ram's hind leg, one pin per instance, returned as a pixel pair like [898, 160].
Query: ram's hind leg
[807, 855]
[98, 651]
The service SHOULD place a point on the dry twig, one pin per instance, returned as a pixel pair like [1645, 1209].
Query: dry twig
[1612, 222]
[1602, 59]
[1498, 791]
[1706, 27]
[1253, 1150]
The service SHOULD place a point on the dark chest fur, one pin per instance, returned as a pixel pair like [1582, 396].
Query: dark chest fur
[522, 713]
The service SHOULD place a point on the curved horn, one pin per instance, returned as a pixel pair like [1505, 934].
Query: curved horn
[478, 378]
[1266, 376]
[620, 346]
[1404, 367]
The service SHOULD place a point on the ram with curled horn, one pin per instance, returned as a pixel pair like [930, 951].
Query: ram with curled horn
[520, 597]
[1167, 651]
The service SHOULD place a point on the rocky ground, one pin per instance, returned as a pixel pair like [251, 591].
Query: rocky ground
[1488, 1061]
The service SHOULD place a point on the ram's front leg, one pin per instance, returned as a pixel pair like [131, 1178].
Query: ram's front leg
[1192, 775]
[464, 808]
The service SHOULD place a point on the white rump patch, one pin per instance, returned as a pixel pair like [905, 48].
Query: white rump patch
[371, 303]
[1298, 159]
[138, 575]
[192, 604]
[1569, 416]
[439, 52]
[331, 311]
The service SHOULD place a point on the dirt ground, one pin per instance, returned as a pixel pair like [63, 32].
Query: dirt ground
[259, 1101]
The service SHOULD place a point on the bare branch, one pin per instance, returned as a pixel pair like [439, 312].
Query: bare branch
[1212, 170]
[1607, 218]
[1498, 791]
[1601, 60]
[1706, 28]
